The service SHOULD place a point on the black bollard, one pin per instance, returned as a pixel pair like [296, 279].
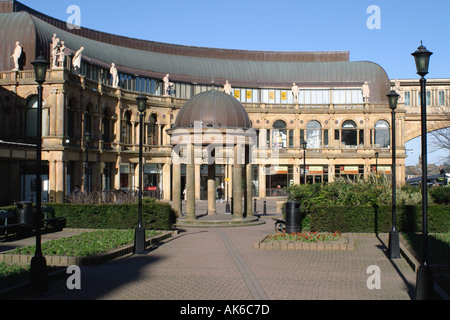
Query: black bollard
[264, 208]
[254, 206]
[231, 205]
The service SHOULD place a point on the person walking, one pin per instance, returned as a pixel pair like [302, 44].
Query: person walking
[219, 194]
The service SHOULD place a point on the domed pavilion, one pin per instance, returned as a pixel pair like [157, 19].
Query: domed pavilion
[210, 127]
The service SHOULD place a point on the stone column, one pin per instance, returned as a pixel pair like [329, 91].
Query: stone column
[166, 178]
[296, 172]
[262, 181]
[176, 183]
[211, 189]
[190, 184]
[60, 181]
[249, 197]
[198, 179]
[237, 183]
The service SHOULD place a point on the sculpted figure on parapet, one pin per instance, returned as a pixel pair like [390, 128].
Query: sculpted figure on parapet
[167, 85]
[294, 90]
[76, 62]
[115, 75]
[366, 91]
[227, 87]
[16, 55]
[61, 54]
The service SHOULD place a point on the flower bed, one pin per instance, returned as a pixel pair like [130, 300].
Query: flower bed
[307, 241]
[305, 236]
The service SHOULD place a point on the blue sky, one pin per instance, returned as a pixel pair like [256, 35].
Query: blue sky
[282, 25]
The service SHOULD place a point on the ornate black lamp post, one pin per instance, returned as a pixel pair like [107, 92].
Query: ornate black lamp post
[424, 280]
[87, 180]
[38, 266]
[394, 241]
[304, 144]
[139, 236]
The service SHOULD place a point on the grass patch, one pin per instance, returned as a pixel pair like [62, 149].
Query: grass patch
[438, 246]
[85, 244]
[12, 274]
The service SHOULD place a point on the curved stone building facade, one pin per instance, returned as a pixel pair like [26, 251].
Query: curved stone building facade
[339, 107]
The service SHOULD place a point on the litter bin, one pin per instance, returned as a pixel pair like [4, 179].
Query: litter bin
[25, 212]
[293, 217]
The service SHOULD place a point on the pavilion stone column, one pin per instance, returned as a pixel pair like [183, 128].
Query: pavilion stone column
[211, 190]
[190, 184]
[248, 182]
[211, 184]
[237, 183]
[176, 183]
[249, 189]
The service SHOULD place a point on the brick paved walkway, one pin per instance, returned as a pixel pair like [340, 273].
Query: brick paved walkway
[222, 264]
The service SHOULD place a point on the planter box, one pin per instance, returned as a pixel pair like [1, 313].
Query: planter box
[345, 244]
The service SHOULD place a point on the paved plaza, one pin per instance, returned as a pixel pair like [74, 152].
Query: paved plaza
[222, 264]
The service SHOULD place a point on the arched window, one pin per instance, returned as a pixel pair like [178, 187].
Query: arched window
[88, 120]
[279, 137]
[30, 117]
[71, 112]
[314, 134]
[106, 125]
[126, 128]
[152, 130]
[349, 133]
[382, 135]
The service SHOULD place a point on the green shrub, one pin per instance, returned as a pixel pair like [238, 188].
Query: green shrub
[155, 215]
[378, 219]
[440, 195]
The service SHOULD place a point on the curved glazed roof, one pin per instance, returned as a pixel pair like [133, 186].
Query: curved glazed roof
[215, 109]
[205, 65]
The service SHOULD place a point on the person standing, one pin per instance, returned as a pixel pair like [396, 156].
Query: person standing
[219, 194]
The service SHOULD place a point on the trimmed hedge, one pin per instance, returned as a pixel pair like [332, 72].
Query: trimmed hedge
[155, 215]
[378, 219]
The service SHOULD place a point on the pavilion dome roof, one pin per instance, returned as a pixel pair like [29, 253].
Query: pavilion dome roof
[215, 109]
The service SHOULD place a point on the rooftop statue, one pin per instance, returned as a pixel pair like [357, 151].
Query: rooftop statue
[366, 91]
[294, 90]
[76, 62]
[55, 49]
[61, 54]
[167, 85]
[227, 87]
[16, 56]
[115, 76]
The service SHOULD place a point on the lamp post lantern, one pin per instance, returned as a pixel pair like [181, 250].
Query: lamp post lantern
[139, 236]
[394, 241]
[38, 265]
[304, 144]
[87, 181]
[424, 276]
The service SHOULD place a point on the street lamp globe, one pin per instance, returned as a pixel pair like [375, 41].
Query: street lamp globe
[87, 137]
[393, 98]
[141, 103]
[303, 144]
[422, 58]
[40, 69]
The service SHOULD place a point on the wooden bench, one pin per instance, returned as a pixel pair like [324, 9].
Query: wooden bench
[49, 218]
[280, 224]
[7, 223]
